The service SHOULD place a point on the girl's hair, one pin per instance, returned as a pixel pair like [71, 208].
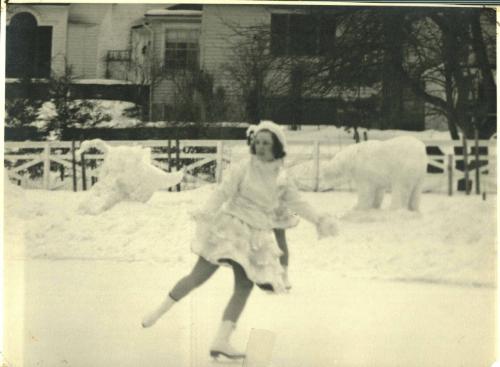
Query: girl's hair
[278, 151]
[250, 139]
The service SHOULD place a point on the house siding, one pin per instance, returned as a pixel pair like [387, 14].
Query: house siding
[113, 24]
[217, 37]
[116, 28]
[82, 49]
[84, 33]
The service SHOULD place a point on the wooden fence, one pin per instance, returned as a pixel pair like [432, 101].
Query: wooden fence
[52, 165]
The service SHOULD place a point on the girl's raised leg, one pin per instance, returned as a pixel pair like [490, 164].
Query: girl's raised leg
[200, 273]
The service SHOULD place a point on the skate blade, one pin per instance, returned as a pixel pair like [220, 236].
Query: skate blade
[226, 358]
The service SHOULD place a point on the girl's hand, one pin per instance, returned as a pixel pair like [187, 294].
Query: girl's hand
[326, 227]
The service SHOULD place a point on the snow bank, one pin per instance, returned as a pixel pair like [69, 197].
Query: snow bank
[77, 81]
[17, 208]
[101, 81]
[160, 12]
[208, 124]
[340, 134]
[115, 109]
[14, 197]
[125, 174]
[452, 241]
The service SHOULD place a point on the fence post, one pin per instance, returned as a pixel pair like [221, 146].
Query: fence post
[476, 147]
[356, 136]
[450, 174]
[46, 166]
[169, 155]
[316, 165]
[84, 175]
[73, 164]
[466, 163]
[218, 167]
[169, 158]
[178, 160]
[492, 168]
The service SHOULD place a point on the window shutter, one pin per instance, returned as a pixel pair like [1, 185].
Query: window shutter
[279, 29]
[43, 52]
[11, 53]
[20, 52]
[327, 32]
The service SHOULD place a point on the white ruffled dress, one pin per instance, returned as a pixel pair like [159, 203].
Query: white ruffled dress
[284, 218]
[237, 221]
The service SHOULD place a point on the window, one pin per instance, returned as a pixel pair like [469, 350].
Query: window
[28, 48]
[119, 55]
[302, 34]
[181, 49]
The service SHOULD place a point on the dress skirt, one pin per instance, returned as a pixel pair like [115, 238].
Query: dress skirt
[225, 238]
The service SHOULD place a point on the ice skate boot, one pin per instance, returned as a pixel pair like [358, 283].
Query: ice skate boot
[151, 318]
[221, 345]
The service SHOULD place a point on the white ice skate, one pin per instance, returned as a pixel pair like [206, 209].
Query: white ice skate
[151, 318]
[221, 345]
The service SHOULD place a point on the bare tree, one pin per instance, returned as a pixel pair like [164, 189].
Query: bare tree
[260, 74]
[255, 73]
[147, 70]
[444, 56]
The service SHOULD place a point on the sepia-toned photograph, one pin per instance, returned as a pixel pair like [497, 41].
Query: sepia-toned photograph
[254, 183]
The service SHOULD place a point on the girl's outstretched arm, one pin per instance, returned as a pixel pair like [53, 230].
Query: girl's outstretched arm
[325, 224]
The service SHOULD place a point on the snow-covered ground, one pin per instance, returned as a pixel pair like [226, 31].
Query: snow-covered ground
[451, 241]
[160, 12]
[116, 110]
[77, 81]
[393, 289]
[333, 133]
[102, 81]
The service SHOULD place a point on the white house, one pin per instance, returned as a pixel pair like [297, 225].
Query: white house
[44, 38]
[134, 43]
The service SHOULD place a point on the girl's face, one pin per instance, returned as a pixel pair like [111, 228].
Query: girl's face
[263, 142]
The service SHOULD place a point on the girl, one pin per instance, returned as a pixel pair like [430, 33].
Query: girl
[234, 229]
[283, 219]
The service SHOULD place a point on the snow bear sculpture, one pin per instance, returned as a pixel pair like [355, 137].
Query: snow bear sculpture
[397, 164]
[125, 174]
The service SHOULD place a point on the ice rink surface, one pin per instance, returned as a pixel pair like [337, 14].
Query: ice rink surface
[393, 289]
